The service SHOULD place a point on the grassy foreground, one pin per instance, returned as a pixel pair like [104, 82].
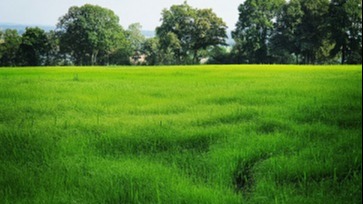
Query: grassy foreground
[205, 134]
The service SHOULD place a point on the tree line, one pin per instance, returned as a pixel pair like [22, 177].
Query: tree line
[274, 31]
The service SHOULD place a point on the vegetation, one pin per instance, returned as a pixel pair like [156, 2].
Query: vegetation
[267, 32]
[312, 32]
[185, 31]
[254, 28]
[89, 33]
[204, 134]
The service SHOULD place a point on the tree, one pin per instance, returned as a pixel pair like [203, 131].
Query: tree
[151, 48]
[284, 45]
[33, 48]
[135, 37]
[172, 49]
[254, 28]
[89, 33]
[186, 30]
[54, 56]
[345, 25]
[220, 55]
[209, 30]
[311, 33]
[9, 45]
[2, 42]
[304, 29]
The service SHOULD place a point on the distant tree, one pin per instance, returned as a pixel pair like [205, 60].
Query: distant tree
[254, 29]
[33, 48]
[175, 33]
[312, 32]
[2, 42]
[186, 30]
[345, 25]
[209, 30]
[119, 55]
[220, 55]
[151, 48]
[284, 45]
[172, 49]
[89, 33]
[135, 37]
[53, 55]
[10, 41]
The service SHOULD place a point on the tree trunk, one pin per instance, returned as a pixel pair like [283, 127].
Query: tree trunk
[344, 52]
[94, 57]
[195, 58]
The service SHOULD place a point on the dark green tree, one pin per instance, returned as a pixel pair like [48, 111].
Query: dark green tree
[151, 48]
[2, 47]
[312, 32]
[209, 30]
[220, 55]
[10, 41]
[89, 33]
[175, 32]
[2, 41]
[284, 46]
[33, 48]
[345, 25]
[186, 30]
[53, 54]
[254, 29]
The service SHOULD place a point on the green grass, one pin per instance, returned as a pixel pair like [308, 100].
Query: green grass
[203, 134]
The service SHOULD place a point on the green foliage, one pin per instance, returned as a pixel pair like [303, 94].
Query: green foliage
[284, 44]
[267, 32]
[135, 37]
[312, 31]
[33, 48]
[254, 28]
[53, 54]
[299, 31]
[203, 134]
[185, 31]
[220, 55]
[345, 25]
[151, 48]
[90, 32]
[9, 45]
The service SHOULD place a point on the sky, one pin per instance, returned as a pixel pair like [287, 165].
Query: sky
[146, 12]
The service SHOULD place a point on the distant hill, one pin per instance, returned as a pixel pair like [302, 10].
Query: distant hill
[148, 33]
[21, 29]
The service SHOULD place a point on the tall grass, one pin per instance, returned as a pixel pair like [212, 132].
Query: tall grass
[203, 134]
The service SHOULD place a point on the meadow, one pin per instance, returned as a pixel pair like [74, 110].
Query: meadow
[197, 134]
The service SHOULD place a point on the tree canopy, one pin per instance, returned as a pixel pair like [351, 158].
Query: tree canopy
[274, 31]
[9, 46]
[345, 24]
[299, 31]
[33, 48]
[254, 28]
[186, 30]
[90, 32]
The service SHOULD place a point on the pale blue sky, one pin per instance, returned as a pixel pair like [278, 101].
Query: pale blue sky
[147, 12]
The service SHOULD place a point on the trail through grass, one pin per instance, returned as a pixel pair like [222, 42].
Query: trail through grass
[203, 134]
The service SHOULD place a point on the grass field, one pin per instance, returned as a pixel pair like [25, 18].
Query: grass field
[203, 134]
